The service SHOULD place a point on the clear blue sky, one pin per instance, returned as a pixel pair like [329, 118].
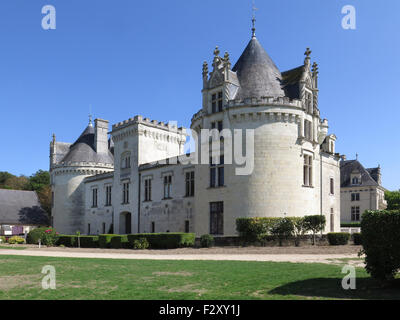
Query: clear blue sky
[129, 57]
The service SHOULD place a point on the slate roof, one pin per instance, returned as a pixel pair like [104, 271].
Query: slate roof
[257, 73]
[21, 208]
[347, 167]
[291, 82]
[83, 150]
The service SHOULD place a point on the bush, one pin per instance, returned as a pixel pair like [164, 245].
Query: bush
[36, 234]
[88, 241]
[2, 239]
[381, 243]
[49, 237]
[351, 225]
[255, 229]
[338, 238]
[299, 228]
[314, 224]
[283, 229]
[119, 241]
[165, 240]
[105, 240]
[16, 240]
[206, 241]
[357, 239]
[141, 244]
[67, 241]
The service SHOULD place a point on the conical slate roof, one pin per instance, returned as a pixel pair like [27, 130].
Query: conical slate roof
[257, 73]
[83, 150]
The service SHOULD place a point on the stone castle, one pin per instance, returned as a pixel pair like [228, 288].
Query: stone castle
[128, 182]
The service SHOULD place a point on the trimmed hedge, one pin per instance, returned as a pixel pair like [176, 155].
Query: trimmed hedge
[119, 241]
[164, 240]
[206, 241]
[88, 241]
[351, 225]
[105, 240]
[16, 240]
[381, 243]
[357, 239]
[338, 238]
[67, 241]
[255, 229]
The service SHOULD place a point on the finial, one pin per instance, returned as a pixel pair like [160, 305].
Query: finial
[357, 156]
[90, 120]
[253, 20]
[308, 53]
[54, 137]
[315, 68]
[205, 68]
[216, 51]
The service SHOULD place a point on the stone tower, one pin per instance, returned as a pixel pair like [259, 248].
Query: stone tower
[291, 173]
[70, 164]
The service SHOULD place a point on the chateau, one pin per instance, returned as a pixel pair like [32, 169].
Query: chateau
[130, 180]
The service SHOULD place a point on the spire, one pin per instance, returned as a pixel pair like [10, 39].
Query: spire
[90, 121]
[253, 20]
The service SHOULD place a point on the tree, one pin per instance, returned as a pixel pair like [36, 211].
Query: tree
[44, 196]
[315, 224]
[39, 180]
[299, 229]
[16, 183]
[393, 200]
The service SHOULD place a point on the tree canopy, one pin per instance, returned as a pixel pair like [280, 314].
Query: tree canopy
[393, 200]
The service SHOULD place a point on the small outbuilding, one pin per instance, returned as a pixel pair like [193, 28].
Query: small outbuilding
[20, 212]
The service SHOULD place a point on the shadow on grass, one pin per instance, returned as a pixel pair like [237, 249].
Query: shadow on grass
[366, 288]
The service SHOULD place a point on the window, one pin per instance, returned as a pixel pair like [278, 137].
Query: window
[52, 199]
[217, 218]
[355, 180]
[217, 173]
[153, 227]
[94, 198]
[308, 102]
[332, 186]
[187, 226]
[217, 125]
[308, 171]
[189, 184]
[355, 197]
[216, 102]
[104, 227]
[108, 196]
[125, 193]
[355, 213]
[126, 162]
[88, 232]
[147, 190]
[167, 186]
[308, 130]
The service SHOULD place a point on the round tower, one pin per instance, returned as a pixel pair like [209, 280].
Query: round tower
[281, 111]
[70, 164]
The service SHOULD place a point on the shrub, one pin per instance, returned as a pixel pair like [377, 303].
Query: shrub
[16, 240]
[105, 240]
[67, 241]
[141, 244]
[357, 239]
[206, 241]
[314, 224]
[299, 229]
[165, 240]
[255, 229]
[49, 237]
[381, 243]
[2, 239]
[283, 229]
[351, 225]
[35, 234]
[338, 238]
[89, 241]
[119, 241]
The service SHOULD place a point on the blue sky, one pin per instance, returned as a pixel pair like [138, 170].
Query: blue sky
[129, 57]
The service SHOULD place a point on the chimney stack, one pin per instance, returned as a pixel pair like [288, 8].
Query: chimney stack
[101, 135]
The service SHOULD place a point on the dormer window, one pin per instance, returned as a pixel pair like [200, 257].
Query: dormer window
[216, 102]
[355, 180]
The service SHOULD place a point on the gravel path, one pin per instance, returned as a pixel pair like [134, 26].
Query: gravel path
[279, 254]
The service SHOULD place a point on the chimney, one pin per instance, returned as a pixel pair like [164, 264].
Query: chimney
[101, 135]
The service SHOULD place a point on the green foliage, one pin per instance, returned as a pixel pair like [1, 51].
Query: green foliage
[105, 240]
[299, 228]
[89, 241]
[2, 239]
[39, 180]
[255, 229]
[338, 238]
[165, 240]
[357, 239]
[36, 234]
[119, 242]
[49, 237]
[67, 240]
[351, 225]
[141, 244]
[393, 200]
[206, 241]
[315, 224]
[381, 243]
[16, 240]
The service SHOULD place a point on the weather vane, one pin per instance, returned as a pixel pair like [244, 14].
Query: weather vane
[254, 19]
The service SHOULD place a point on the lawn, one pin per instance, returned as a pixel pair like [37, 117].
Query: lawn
[20, 278]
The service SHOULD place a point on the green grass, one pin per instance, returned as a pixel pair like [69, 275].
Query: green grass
[20, 278]
[12, 248]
